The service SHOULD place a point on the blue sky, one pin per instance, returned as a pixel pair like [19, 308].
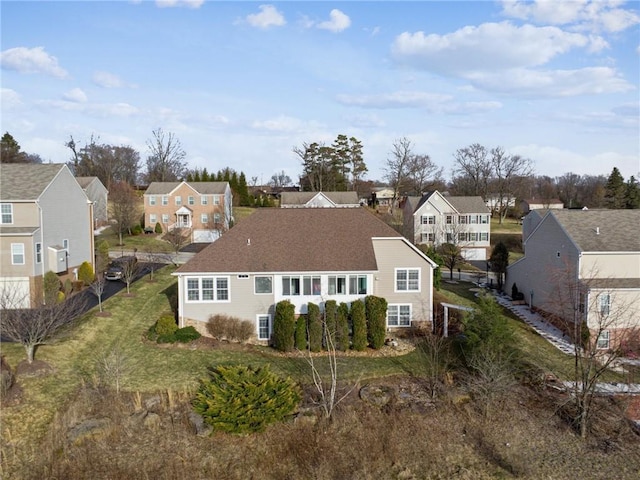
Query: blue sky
[241, 83]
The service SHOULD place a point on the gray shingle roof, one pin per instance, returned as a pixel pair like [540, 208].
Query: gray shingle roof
[295, 240]
[20, 181]
[301, 198]
[602, 230]
[468, 204]
[204, 188]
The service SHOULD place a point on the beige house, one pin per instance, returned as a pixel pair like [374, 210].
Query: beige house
[436, 219]
[530, 204]
[319, 200]
[305, 255]
[204, 209]
[98, 194]
[46, 225]
[583, 265]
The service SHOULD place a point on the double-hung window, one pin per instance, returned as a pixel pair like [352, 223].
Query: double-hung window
[152, 199]
[165, 200]
[603, 339]
[264, 327]
[153, 219]
[178, 200]
[38, 252]
[191, 200]
[216, 199]
[17, 253]
[165, 218]
[208, 289]
[6, 213]
[204, 200]
[204, 218]
[449, 219]
[407, 280]
[399, 315]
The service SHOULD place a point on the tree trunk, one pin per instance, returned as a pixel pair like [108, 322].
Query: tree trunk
[31, 352]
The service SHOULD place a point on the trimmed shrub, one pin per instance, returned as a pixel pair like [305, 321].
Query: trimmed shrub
[158, 228]
[376, 312]
[301, 333]
[242, 399]
[284, 326]
[342, 327]
[330, 321]
[51, 285]
[186, 334]
[136, 230]
[315, 327]
[230, 328]
[85, 273]
[359, 321]
[166, 326]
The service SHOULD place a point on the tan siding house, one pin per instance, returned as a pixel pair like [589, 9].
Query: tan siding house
[319, 200]
[305, 255]
[583, 264]
[46, 225]
[204, 209]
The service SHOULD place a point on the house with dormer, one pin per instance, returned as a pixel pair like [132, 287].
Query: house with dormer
[46, 224]
[434, 219]
[319, 200]
[305, 255]
[201, 209]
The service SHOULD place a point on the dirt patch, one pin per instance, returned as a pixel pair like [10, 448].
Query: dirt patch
[35, 369]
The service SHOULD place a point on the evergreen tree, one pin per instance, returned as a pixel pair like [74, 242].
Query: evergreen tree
[301, 333]
[499, 262]
[314, 327]
[615, 190]
[632, 193]
[342, 327]
[359, 322]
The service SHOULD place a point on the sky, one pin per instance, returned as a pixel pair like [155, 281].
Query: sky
[241, 84]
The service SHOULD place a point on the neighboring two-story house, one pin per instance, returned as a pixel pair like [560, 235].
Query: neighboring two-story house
[305, 255]
[204, 209]
[98, 194]
[583, 265]
[529, 204]
[436, 219]
[46, 225]
[319, 200]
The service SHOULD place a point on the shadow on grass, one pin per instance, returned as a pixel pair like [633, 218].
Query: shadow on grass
[171, 292]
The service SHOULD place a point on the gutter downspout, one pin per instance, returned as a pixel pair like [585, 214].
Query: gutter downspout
[42, 247]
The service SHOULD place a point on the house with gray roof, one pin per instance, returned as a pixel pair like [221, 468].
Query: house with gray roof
[202, 210]
[46, 224]
[98, 194]
[583, 266]
[305, 255]
[435, 219]
[319, 200]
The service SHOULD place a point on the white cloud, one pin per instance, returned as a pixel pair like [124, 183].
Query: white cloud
[281, 123]
[179, 3]
[32, 60]
[488, 46]
[107, 80]
[76, 95]
[338, 22]
[557, 83]
[401, 99]
[592, 15]
[269, 16]
[101, 110]
[9, 98]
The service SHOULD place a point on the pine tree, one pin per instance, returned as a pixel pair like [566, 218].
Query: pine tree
[615, 190]
[632, 193]
[359, 321]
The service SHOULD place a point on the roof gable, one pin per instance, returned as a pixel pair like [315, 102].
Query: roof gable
[20, 182]
[200, 188]
[296, 240]
[318, 199]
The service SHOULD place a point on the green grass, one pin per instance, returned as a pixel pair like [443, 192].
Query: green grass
[142, 242]
[509, 225]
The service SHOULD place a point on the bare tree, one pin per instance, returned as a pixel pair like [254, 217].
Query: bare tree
[113, 367]
[398, 165]
[32, 327]
[166, 160]
[327, 385]
[97, 287]
[602, 322]
[177, 237]
[280, 179]
[508, 170]
[130, 270]
[422, 174]
[125, 208]
[472, 170]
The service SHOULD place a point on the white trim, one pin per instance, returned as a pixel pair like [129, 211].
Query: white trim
[10, 213]
[14, 253]
[270, 327]
[398, 305]
[407, 269]
[214, 288]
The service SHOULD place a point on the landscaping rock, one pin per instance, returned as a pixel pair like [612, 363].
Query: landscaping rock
[152, 421]
[378, 395]
[91, 428]
[198, 423]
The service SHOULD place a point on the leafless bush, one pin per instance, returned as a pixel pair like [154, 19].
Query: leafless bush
[113, 368]
[492, 378]
[230, 328]
[6, 377]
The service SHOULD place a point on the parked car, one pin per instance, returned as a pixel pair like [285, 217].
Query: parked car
[116, 269]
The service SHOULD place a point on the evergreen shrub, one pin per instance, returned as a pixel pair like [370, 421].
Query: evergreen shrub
[376, 313]
[284, 326]
[315, 327]
[359, 322]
